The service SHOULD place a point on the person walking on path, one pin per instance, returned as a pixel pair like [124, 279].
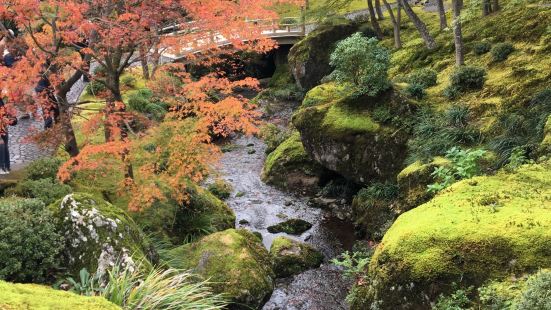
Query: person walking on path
[6, 119]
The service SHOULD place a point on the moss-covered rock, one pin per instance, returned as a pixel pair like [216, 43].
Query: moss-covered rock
[309, 58]
[97, 234]
[236, 263]
[482, 228]
[415, 178]
[545, 145]
[290, 167]
[32, 296]
[292, 257]
[292, 227]
[202, 214]
[355, 136]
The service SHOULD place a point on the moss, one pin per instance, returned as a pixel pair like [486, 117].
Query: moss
[96, 233]
[289, 166]
[484, 227]
[32, 296]
[235, 261]
[415, 178]
[292, 227]
[325, 93]
[344, 120]
[292, 257]
[221, 189]
[545, 145]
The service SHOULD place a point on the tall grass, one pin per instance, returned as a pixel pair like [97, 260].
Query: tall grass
[167, 289]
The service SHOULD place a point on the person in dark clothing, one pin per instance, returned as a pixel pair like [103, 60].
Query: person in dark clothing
[4, 149]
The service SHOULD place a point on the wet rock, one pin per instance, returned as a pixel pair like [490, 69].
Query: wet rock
[97, 234]
[243, 222]
[292, 227]
[235, 262]
[250, 152]
[288, 203]
[321, 202]
[292, 257]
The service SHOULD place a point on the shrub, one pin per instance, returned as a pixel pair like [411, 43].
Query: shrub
[144, 101]
[94, 87]
[463, 166]
[44, 168]
[354, 263]
[273, 136]
[221, 189]
[423, 77]
[465, 78]
[128, 81]
[501, 51]
[131, 288]
[537, 295]
[416, 91]
[458, 300]
[361, 62]
[29, 242]
[45, 190]
[482, 47]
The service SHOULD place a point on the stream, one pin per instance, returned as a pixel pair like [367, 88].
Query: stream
[259, 205]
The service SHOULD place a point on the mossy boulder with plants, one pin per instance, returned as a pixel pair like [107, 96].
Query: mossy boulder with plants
[292, 227]
[236, 263]
[309, 58]
[478, 229]
[97, 234]
[292, 257]
[33, 296]
[355, 135]
[414, 179]
[202, 214]
[290, 167]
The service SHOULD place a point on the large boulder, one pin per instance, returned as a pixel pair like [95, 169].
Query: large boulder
[482, 228]
[32, 296]
[290, 167]
[355, 136]
[177, 222]
[292, 257]
[236, 263]
[97, 234]
[413, 181]
[309, 58]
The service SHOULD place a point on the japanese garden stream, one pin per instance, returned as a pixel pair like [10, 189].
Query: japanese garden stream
[258, 205]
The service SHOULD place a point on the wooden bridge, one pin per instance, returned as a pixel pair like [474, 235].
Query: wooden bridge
[288, 32]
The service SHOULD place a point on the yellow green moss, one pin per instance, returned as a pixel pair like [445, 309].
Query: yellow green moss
[292, 257]
[484, 227]
[325, 93]
[235, 261]
[37, 297]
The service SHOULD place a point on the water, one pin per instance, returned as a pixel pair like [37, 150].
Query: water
[263, 205]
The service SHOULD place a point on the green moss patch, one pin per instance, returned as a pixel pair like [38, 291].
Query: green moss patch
[484, 227]
[236, 263]
[292, 257]
[32, 296]
[292, 227]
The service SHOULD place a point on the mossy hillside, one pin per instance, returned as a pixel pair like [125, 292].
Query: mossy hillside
[309, 58]
[202, 214]
[292, 257]
[354, 135]
[236, 263]
[289, 166]
[483, 228]
[33, 296]
[96, 234]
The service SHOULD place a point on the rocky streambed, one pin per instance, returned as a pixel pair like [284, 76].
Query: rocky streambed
[258, 206]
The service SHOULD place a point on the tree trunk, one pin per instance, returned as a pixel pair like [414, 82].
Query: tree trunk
[495, 5]
[395, 23]
[457, 34]
[380, 14]
[373, 20]
[71, 146]
[145, 65]
[421, 27]
[442, 14]
[486, 7]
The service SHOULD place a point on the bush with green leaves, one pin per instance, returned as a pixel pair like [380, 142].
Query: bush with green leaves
[95, 87]
[416, 91]
[482, 47]
[363, 63]
[128, 81]
[464, 165]
[29, 243]
[144, 101]
[537, 295]
[501, 51]
[46, 190]
[354, 263]
[423, 77]
[458, 300]
[44, 168]
[465, 78]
